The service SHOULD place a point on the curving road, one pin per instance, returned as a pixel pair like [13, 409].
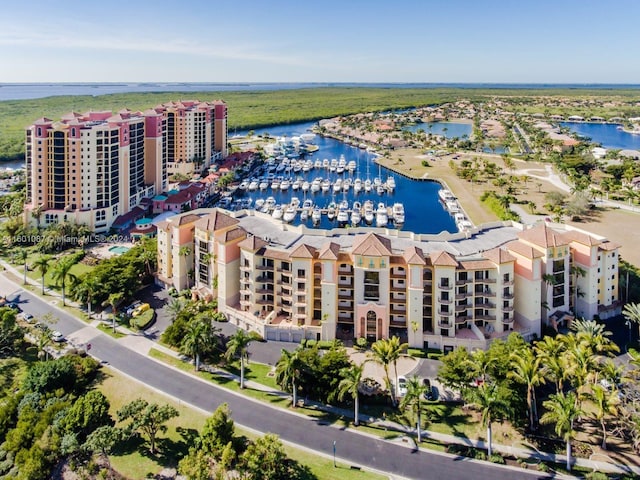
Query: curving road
[350, 446]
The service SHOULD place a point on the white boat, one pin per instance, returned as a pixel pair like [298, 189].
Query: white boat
[325, 163]
[445, 195]
[317, 164]
[464, 225]
[259, 203]
[295, 202]
[244, 185]
[346, 185]
[368, 185]
[304, 215]
[307, 204]
[316, 216]
[225, 202]
[398, 213]
[382, 216]
[357, 185]
[296, 184]
[278, 212]
[452, 206]
[263, 185]
[337, 186]
[253, 185]
[390, 183]
[316, 185]
[285, 184]
[369, 214]
[343, 212]
[326, 185]
[268, 204]
[333, 165]
[275, 184]
[459, 217]
[356, 215]
[297, 166]
[331, 210]
[380, 189]
[290, 214]
[351, 166]
[305, 186]
[308, 165]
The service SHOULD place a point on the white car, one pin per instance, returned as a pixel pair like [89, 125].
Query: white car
[402, 387]
[57, 336]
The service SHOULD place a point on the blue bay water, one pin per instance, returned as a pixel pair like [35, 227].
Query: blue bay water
[447, 129]
[607, 134]
[423, 211]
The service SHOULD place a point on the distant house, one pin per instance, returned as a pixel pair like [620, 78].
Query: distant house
[575, 118]
[124, 222]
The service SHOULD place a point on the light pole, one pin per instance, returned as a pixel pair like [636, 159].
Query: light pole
[628, 324]
[334, 454]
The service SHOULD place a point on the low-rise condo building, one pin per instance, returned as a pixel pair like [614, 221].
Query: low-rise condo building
[91, 168]
[440, 291]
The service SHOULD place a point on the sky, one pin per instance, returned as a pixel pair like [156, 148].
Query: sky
[401, 41]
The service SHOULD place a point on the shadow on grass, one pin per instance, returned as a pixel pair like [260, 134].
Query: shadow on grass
[168, 451]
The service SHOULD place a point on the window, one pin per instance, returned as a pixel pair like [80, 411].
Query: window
[444, 296]
[301, 272]
[372, 286]
[505, 277]
[444, 282]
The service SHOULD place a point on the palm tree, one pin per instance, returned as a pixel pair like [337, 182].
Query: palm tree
[195, 341]
[42, 264]
[61, 273]
[114, 300]
[184, 252]
[412, 401]
[349, 385]
[22, 254]
[238, 346]
[550, 351]
[606, 403]
[562, 411]
[526, 370]
[175, 307]
[386, 352]
[90, 284]
[631, 312]
[491, 400]
[287, 370]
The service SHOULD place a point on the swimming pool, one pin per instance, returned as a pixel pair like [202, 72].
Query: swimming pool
[118, 249]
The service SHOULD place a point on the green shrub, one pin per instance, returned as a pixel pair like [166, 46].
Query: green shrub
[361, 343]
[425, 163]
[303, 342]
[596, 476]
[417, 352]
[326, 344]
[435, 355]
[478, 454]
[143, 320]
[311, 343]
[496, 458]
[543, 467]
[220, 317]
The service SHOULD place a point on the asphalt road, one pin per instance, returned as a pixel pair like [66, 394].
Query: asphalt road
[351, 447]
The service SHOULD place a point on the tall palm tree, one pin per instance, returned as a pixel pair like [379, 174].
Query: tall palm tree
[606, 403]
[42, 264]
[381, 353]
[631, 312]
[562, 411]
[412, 401]
[22, 254]
[114, 300]
[195, 341]
[526, 370]
[184, 252]
[238, 346]
[287, 370]
[491, 400]
[61, 273]
[175, 307]
[550, 351]
[349, 385]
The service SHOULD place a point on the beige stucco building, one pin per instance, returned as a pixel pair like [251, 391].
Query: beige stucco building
[438, 291]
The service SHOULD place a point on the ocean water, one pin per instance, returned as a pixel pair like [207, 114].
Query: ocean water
[607, 134]
[424, 213]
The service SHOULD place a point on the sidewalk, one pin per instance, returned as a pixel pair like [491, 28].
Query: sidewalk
[140, 343]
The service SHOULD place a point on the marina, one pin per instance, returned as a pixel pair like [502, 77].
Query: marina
[337, 185]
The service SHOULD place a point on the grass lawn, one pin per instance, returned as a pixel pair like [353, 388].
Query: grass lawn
[134, 461]
[108, 329]
[257, 372]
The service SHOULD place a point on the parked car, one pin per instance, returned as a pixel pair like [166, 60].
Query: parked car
[431, 392]
[402, 387]
[140, 309]
[57, 336]
[131, 308]
[27, 317]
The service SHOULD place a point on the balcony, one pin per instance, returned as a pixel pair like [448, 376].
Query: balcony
[402, 288]
[445, 287]
[398, 275]
[445, 302]
[462, 308]
[288, 273]
[345, 271]
[462, 296]
[398, 322]
[263, 302]
[265, 290]
[463, 282]
[508, 283]
[346, 283]
[485, 280]
[507, 296]
[345, 295]
[397, 311]
[462, 319]
[507, 321]
[445, 324]
[483, 305]
[263, 267]
[485, 293]
[488, 318]
[507, 309]
[444, 314]
[245, 291]
[245, 268]
[264, 279]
